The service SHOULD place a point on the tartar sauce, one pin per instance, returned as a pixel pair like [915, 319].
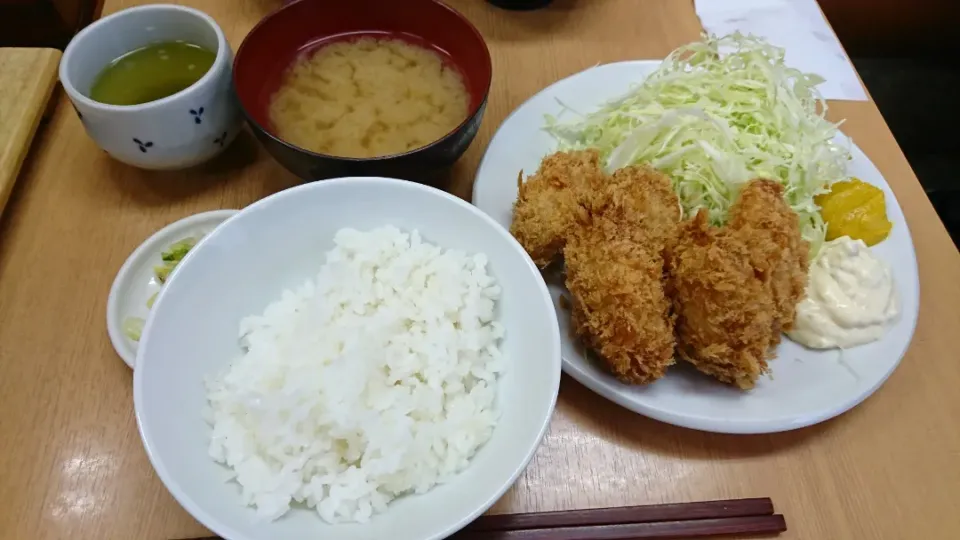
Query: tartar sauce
[850, 298]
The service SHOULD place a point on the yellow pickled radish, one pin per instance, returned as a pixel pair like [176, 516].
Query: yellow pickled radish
[856, 209]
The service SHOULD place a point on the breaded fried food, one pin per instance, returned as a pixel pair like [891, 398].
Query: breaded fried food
[644, 286]
[550, 203]
[615, 274]
[771, 231]
[642, 201]
[725, 314]
[619, 308]
[736, 288]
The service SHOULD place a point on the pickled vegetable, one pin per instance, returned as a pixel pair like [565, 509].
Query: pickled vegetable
[856, 209]
[171, 258]
[133, 327]
[178, 250]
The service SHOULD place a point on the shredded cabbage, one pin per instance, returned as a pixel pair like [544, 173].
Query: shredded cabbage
[716, 114]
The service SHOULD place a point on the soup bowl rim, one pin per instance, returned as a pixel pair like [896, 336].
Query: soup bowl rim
[471, 115]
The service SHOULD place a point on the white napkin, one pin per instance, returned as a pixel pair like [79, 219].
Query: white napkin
[798, 27]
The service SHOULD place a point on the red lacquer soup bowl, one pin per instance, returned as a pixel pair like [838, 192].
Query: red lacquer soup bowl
[303, 25]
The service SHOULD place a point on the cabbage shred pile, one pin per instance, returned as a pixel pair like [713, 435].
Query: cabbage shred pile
[716, 114]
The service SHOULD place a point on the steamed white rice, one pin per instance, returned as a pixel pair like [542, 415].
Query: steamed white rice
[375, 379]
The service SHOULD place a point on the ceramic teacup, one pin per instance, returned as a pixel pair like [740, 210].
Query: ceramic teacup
[177, 131]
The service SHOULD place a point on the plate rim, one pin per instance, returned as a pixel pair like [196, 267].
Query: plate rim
[609, 391]
[145, 250]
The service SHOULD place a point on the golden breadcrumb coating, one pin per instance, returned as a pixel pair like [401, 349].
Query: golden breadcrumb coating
[615, 266]
[642, 202]
[777, 251]
[725, 315]
[736, 288]
[619, 307]
[644, 286]
[548, 204]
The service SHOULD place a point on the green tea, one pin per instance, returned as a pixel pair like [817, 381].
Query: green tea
[151, 73]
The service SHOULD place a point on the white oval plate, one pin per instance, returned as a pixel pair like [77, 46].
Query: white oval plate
[805, 386]
[136, 283]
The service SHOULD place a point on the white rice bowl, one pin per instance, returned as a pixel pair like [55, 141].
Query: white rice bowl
[191, 345]
[375, 379]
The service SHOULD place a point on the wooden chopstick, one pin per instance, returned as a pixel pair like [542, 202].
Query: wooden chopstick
[695, 528]
[659, 521]
[626, 514]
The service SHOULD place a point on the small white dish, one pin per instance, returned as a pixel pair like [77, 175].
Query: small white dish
[178, 131]
[136, 283]
[805, 386]
[276, 244]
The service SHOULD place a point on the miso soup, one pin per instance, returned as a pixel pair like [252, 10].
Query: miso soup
[368, 97]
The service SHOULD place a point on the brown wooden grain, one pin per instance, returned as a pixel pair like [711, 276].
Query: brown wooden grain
[71, 462]
[27, 77]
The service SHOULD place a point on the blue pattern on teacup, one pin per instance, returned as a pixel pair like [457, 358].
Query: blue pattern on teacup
[143, 145]
[197, 115]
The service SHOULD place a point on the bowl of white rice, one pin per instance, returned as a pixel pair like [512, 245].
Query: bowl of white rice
[358, 358]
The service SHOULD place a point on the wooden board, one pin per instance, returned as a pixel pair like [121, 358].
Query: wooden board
[27, 77]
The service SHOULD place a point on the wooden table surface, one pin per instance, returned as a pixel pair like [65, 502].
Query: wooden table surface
[27, 77]
[71, 461]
